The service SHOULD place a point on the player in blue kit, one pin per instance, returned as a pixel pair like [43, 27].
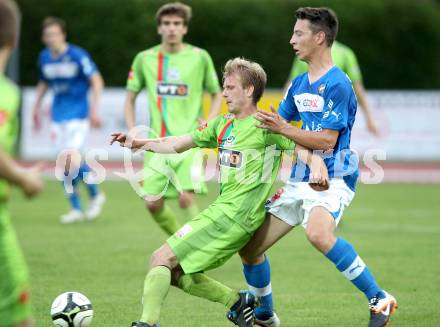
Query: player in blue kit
[323, 98]
[70, 72]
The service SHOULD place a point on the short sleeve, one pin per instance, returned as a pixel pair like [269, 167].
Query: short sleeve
[287, 108]
[206, 137]
[281, 142]
[352, 67]
[136, 78]
[40, 63]
[88, 67]
[9, 119]
[336, 105]
[210, 80]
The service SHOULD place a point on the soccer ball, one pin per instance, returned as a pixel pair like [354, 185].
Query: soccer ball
[71, 309]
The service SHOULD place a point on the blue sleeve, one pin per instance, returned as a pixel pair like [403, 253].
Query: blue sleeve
[287, 108]
[336, 104]
[88, 67]
[40, 63]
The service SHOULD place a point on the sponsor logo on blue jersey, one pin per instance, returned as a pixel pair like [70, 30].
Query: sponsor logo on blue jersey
[68, 75]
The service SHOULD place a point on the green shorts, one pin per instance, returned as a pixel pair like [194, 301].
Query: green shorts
[207, 241]
[14, 297]
[168, 175]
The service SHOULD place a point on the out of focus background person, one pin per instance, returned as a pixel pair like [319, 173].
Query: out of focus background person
[175, 75]
[69, 72]
[15, 305]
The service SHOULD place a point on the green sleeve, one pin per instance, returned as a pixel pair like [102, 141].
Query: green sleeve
[352, 67]
[206, 137]
[299, 67]
[9, 119]
[281, 142]
[211, 83]
[136, 78]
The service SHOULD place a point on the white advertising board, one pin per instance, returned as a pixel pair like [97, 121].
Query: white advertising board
[408, 123]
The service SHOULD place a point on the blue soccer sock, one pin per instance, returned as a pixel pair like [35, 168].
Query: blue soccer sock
[92, 188]
[348, 262]
[73, 196]
[258, 279]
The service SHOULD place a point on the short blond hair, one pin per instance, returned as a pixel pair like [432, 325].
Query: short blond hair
[174, 8]
[250, 73]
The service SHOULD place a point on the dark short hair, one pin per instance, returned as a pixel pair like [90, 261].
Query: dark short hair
[49, 21]
[174, 8]
[9, 23]
[321, 19]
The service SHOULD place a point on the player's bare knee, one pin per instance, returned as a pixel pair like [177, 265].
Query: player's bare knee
[318, 239]
[158, 258]
[163, 257]
[154, 207]
[250, 258]
[314, 236]
[186, 199]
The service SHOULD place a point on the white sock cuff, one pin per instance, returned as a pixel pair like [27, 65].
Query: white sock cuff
[263, 291]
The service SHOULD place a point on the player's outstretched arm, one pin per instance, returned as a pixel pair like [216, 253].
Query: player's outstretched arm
[171, 144]
[319, 179]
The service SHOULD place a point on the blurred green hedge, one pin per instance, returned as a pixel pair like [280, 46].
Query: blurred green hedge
[397, 41]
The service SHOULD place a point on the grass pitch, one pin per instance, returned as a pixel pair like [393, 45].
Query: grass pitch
[395, 229]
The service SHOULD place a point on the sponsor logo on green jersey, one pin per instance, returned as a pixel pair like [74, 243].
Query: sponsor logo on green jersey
[172, 89]
[230, 158]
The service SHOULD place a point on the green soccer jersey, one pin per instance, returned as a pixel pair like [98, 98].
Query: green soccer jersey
[9, 103]
[174, 83]
[343, 57]
[249, 160]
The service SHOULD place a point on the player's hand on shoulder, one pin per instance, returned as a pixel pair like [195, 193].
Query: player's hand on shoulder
[271, 120]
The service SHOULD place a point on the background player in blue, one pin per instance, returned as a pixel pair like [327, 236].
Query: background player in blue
[69, 71]
[323, 98]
